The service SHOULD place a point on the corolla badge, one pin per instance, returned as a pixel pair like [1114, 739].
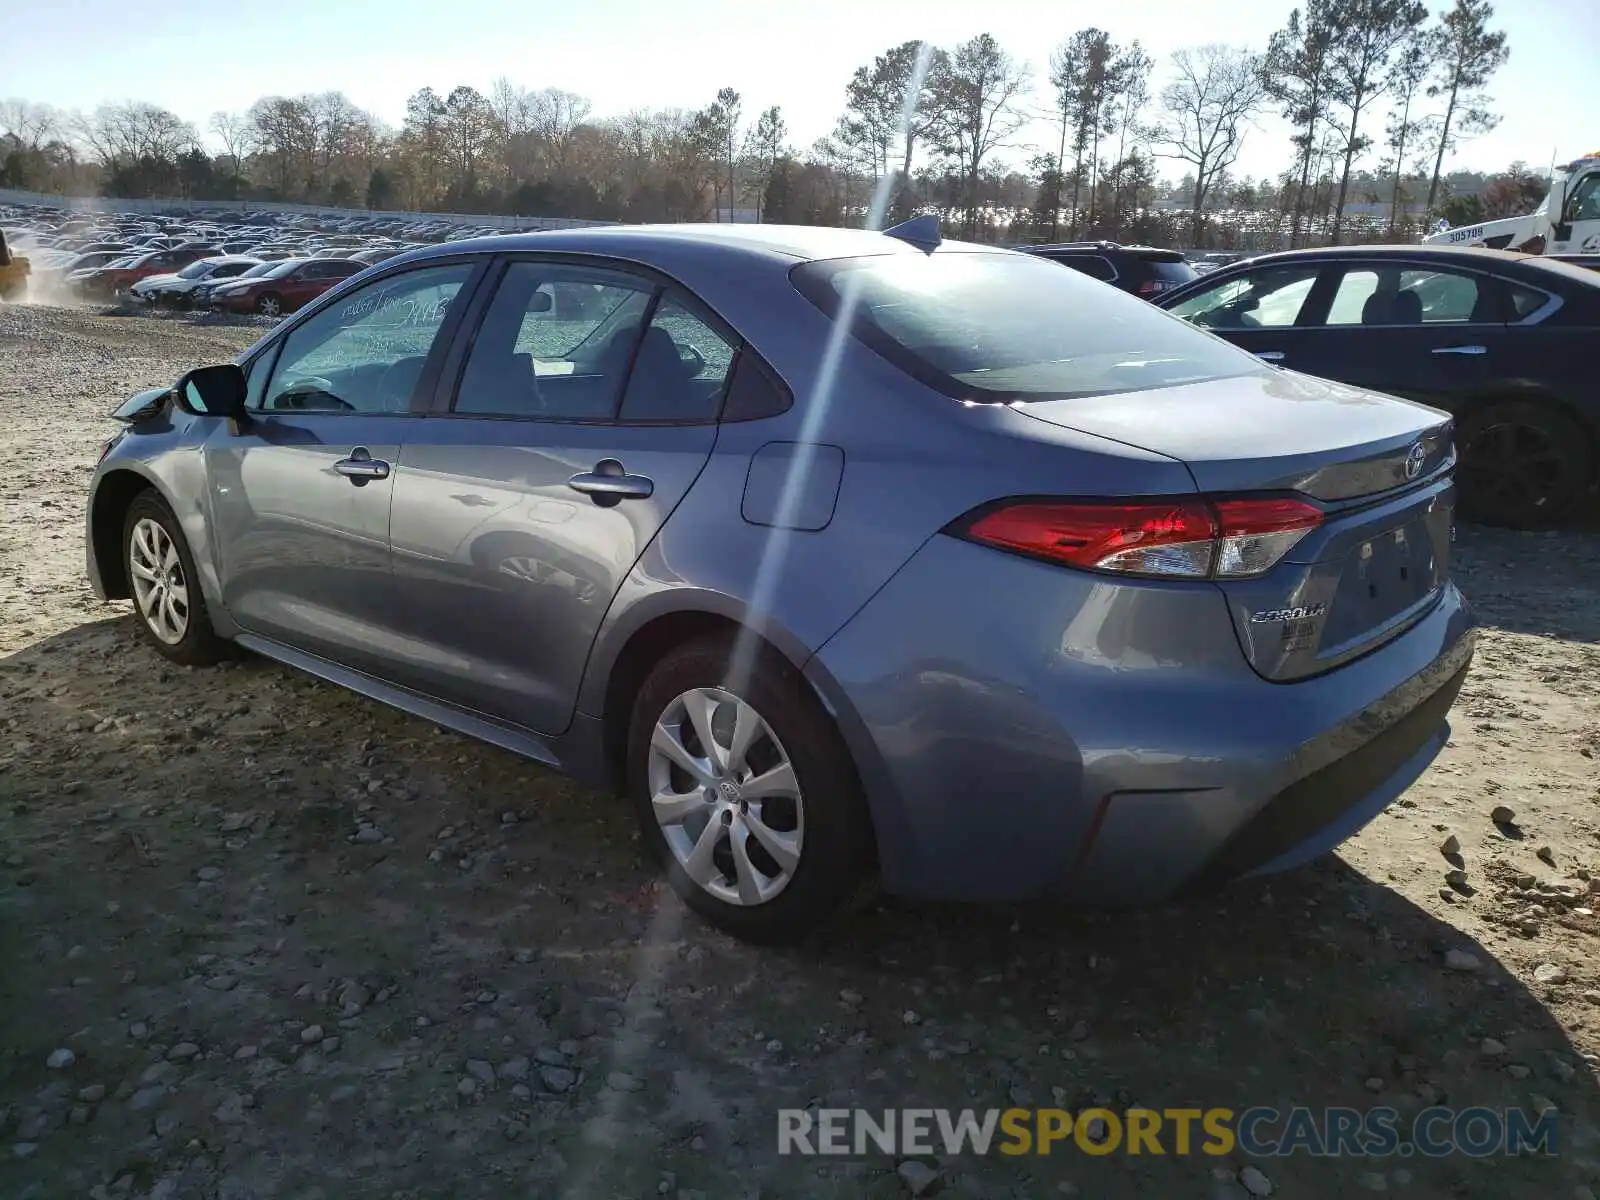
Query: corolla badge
[1274, 616]
[1415, 459]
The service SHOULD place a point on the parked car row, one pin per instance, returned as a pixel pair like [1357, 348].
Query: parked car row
[156, 259]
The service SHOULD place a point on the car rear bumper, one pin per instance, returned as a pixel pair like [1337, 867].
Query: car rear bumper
[1050, 731]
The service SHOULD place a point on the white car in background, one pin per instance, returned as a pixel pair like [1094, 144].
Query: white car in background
[178, 288]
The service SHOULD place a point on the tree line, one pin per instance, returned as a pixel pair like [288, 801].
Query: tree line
[1378, 94]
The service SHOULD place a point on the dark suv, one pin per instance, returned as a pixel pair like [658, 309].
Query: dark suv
[1143, 270]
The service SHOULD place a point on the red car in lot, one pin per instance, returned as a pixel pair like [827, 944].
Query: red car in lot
[294, 282]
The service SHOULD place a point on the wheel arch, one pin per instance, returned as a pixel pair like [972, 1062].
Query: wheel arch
[108, 510]
[623, 658]
[1524, 391]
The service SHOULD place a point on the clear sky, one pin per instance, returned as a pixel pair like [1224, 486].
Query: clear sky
[196, 56]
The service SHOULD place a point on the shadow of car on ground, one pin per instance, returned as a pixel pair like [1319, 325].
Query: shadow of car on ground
[300, 944]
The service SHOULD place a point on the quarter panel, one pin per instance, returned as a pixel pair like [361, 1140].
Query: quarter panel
[998, 702]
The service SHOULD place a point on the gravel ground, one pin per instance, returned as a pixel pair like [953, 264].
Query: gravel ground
[260, 937]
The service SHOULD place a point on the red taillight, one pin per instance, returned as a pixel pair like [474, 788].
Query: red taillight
[1231, 538]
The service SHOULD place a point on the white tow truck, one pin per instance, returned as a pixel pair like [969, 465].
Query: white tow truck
[1568, 222]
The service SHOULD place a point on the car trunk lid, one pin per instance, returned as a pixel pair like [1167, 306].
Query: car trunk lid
[1380, 469]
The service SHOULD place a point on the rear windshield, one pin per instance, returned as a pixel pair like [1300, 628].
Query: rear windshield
[1007, 327]
[1179, 271]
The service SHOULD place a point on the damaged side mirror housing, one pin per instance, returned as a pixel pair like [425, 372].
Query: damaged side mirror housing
[218, 391]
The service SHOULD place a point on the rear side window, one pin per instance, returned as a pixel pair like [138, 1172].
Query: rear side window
[680, 370]
[1526, 301]
[1388, 296]
[1012, 327]
[555, 344]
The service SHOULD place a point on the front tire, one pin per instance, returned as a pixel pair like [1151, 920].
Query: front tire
[746, 793]
[167, 602]
[270, 305]
[1524, 464]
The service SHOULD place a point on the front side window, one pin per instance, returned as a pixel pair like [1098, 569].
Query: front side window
[555, 343]
[365, 354]
[1012, 327]
[1585, 202]
[1267, 299]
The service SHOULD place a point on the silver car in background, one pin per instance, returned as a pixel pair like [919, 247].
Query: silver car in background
[851, 558]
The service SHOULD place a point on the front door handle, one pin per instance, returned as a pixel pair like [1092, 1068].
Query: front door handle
[361, 467]
[1270, 355]
[609, 483]
[1462, 350]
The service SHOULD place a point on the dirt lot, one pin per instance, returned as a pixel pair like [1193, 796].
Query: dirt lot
[485, 993]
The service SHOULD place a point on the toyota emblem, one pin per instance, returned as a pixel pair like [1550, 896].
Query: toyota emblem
[1415, 459]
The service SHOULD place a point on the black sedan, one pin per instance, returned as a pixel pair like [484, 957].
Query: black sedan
[1503, 341]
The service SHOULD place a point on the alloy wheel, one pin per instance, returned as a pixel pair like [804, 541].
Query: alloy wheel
[269, 306]
[726, 797]
[159, 588]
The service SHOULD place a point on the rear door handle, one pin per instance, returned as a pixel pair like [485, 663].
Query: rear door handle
[609, 483]
[361, 467]
[1270, 355]
[1462, 350]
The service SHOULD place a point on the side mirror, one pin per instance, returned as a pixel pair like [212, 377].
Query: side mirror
[218, 391]
[540, 302]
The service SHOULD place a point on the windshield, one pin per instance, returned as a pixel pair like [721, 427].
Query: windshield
[278, 270]
[196, 270]
[1013, 327]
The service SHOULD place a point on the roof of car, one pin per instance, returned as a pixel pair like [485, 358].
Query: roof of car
[795, 243]
[1411, 250]
[1529, 267]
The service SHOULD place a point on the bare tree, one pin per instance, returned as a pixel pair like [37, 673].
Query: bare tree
[1214, 96]
[976, 95]
[31, 125]
[556, 116]
[237, 134]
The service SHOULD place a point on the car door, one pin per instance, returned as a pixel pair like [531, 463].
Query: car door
[300, 492]
[1263, 310]
[1429, 332]
[296, 287]
[585, 407]
[1578, 231]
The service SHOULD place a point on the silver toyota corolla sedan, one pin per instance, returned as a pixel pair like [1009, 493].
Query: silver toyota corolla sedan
[851, 558]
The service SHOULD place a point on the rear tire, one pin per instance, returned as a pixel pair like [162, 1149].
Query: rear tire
[168, 605]
[804, 799]
[1524, 464]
